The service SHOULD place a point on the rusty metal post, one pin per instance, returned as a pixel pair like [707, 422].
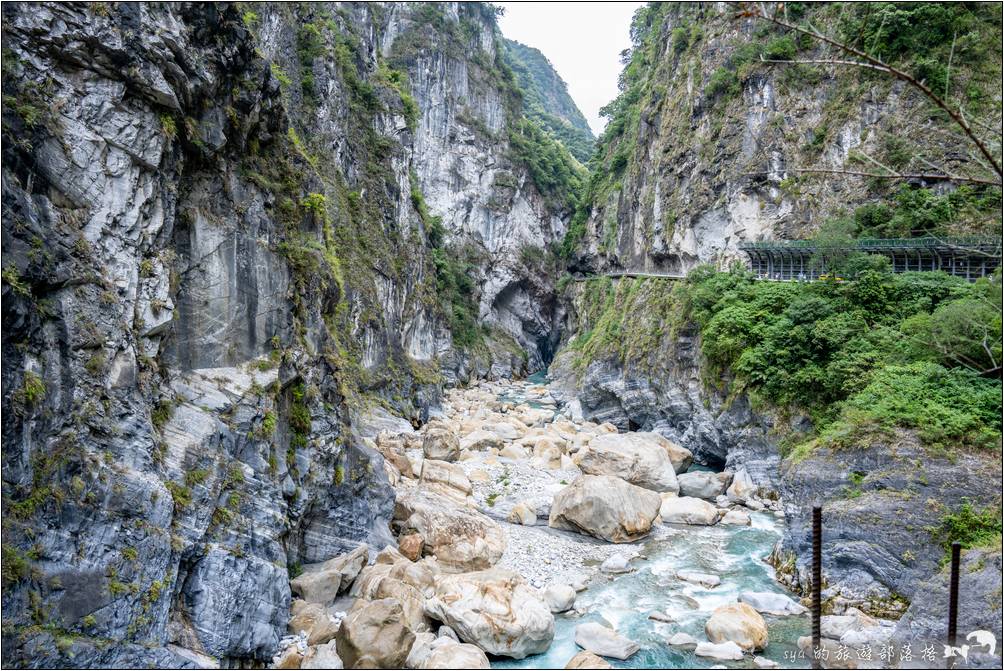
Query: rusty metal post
[817, 580]
[953, 596]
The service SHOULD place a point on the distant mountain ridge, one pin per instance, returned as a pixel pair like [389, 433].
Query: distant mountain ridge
[546, 99]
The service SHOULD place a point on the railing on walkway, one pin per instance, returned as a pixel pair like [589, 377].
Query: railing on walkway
[806, 260]
[967, 257]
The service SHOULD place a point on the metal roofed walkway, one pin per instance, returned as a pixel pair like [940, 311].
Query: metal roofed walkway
[967, 257]
[795, 260]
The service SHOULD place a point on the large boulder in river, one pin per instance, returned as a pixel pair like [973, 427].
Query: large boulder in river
[742, 488]
[687, 510]
[727, 651]
[559, 598]
[705, 485]
[680, 457]
[739, 623]
[605, 507]
[440, 443]
[604, 641]
[772, 603]
[495, 610]
[461, 538]
[322, 582]
[634, 457]
[373, 636]
[736, 518]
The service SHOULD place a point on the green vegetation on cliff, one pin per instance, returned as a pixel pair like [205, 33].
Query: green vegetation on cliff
[917, 351]
[864, 356]
[546, 100]
[685, 119]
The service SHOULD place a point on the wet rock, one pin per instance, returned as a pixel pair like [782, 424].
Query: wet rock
[687, 510]
[736, 518]
[635, 457]
[559, 598]
[704, 484]
[373, 636]
[587, 660]
[771, 603]
[705, 579]
[727, 651]
[742, 488]
[764, 663]
[604, 641]
[738, 623]
[616, 563]
[660, 616]
[683, 640]
[605, 507]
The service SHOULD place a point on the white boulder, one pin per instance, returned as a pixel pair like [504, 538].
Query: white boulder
[634, 457]
[604, 641]
[687, 510]
[495, 610]
[606, 507]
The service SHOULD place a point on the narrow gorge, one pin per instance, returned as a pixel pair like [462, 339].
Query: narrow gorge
[334, 338]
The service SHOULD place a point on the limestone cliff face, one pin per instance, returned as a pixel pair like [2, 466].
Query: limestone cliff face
[698, 157]
[226, 230]
[704, 144]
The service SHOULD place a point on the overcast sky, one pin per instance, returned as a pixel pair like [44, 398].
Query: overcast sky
[583, 40]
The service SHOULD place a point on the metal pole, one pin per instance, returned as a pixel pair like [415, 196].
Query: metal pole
[953, 596]
[817, 580]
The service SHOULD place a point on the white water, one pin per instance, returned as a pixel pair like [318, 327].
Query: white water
[734, 553]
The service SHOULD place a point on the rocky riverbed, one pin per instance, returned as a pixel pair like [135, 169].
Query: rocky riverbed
[527, 538]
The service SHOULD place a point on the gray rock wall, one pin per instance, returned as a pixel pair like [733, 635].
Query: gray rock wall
[211, 254]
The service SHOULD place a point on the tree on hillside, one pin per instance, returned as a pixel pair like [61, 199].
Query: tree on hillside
[894, 30]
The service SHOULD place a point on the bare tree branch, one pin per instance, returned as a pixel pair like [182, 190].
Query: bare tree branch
[761, 12]
[824, 61]
[948, 71]
[985, 126]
